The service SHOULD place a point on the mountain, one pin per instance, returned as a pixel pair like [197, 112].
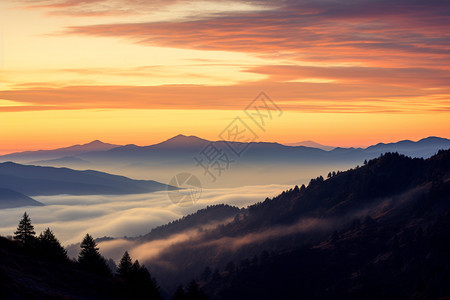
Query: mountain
[363, 233]
[379, 231]
[74, 150]
[423, 148]
[310, 144]
[254, 163]
[214, 213]
[30, 273]
[66, 161]
[37, 180]
[11, 199]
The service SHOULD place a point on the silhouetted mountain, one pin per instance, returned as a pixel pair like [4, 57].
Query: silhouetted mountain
[363, 233]
[279, 163]
[310, 144]
[10, 199]
[29, 273]
[74, 150]
[423, 148]
[214, 214]
[36, 180]
[24, 276]
[66, 161]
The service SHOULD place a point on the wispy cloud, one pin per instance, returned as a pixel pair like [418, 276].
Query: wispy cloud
[318, 56]
[71, 217]
[349, 91]
[365, 31]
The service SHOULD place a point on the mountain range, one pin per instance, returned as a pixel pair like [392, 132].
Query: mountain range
[365, 233]
[310, 144]
[10, 199]
[179, 144]
[18, 182]
[28, 156]
[260, 163]
[377, 231]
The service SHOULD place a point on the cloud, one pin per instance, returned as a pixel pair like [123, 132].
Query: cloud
[352, 91]
[155, 9]
[364, 31]
[71, 217]
[319, 56]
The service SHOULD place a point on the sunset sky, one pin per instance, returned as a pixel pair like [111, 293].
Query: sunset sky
[345, 73]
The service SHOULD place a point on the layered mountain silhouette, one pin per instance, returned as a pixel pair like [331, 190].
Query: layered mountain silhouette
[37, 180]
[379, 231]
[11, 199]
[310, 144]
[29, 156]
[181, 147]
[363, 233]
[277, 163]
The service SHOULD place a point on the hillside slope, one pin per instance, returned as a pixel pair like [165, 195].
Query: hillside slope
[36, 180]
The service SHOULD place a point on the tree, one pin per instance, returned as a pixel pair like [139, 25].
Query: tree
[179, 294]
[25, 233]
[125, 265]
[145, 286]
[50, 247]
[136, 281]
[90, 258]
[194, 292]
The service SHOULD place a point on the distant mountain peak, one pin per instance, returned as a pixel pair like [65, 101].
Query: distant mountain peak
[183, 140]
[310, 144]
[95, 142]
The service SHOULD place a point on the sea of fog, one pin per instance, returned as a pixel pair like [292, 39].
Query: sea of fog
[71, 217]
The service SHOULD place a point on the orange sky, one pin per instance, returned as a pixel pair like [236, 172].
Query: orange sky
[132, 71]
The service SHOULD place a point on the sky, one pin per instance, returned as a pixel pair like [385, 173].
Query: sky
[344, 73]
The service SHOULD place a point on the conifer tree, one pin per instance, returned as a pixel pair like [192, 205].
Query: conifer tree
[194, 292]
[25, 233]
[90, 258]
[125, 265]
[179, 294]
[50, 247]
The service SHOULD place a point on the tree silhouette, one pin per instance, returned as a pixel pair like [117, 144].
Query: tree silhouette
[135, 280]
[179, 294]
[194, 292]
[50, 247]
[90, 258]
[125, 265]
[25, 233]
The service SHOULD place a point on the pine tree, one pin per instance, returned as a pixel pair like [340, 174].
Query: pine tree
[179, 294]
[25, 233]
[125, 265]
[50, 247]
[90, 258]
[194, 292]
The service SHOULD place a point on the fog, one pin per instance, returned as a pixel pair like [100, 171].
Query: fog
[195, 240]
[71, 217]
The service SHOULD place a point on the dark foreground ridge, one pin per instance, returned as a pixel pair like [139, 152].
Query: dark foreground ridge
[379, 231]
[376, 231]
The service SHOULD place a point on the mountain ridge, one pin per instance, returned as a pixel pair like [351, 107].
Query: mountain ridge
[43, 180]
